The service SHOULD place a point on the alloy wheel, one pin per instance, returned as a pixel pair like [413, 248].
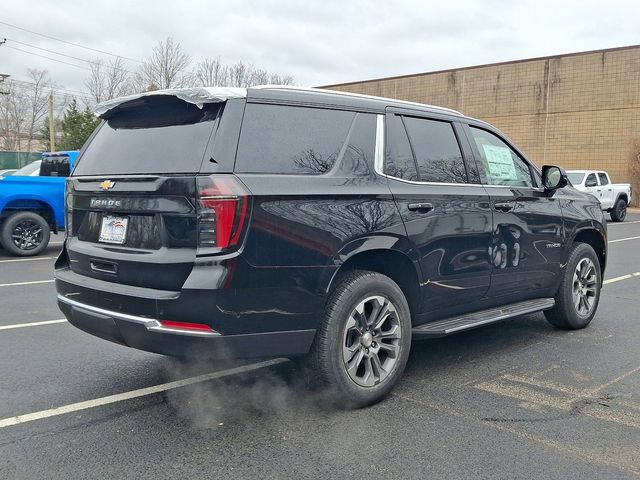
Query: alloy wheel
[27, 235]
[371, 341]
[585, 287]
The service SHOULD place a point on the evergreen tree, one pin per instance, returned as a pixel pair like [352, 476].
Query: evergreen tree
[77, 126]
[44, 132]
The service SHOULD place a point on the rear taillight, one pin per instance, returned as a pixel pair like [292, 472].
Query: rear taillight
[68, 210]
[222, 212]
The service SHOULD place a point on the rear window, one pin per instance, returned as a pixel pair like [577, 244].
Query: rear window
[150, 135]
[55, 166]
[291, 140]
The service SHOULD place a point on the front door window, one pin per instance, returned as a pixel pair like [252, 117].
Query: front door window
[501, 164]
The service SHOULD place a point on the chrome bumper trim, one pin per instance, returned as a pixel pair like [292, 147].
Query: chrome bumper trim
[150, 324]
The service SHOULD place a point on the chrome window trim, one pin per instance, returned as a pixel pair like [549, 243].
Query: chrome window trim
[378, 162]
[323, 90]
[149, 323]
[379, 165]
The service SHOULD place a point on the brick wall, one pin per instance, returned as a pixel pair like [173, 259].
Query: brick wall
[579, 110]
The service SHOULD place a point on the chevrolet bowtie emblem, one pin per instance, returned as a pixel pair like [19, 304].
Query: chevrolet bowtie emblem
[107, 185]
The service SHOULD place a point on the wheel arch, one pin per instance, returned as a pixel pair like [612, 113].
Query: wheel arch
[622, 195]
[36, 205]
[597, 240]
[396, 263]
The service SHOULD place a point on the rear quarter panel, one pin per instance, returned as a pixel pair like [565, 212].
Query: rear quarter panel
[318, 222]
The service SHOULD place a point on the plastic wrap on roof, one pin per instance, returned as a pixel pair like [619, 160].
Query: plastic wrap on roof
[197, 95]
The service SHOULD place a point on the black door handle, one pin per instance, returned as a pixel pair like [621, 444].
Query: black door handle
[503, 206]
[420, 207]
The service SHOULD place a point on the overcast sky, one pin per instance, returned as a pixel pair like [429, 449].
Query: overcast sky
[317, 42]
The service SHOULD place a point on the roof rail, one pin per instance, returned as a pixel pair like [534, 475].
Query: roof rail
[358, 95]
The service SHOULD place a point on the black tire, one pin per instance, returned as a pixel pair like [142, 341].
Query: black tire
[33, 229]
[326, 366]
[566, 314]
[619, 211]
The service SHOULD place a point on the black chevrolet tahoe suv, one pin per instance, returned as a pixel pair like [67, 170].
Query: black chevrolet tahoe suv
[327, 227]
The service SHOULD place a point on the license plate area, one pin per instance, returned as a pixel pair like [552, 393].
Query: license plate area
[113, 229]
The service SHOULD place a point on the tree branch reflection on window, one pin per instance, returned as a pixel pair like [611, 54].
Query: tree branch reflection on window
[446, 170]
[314, 162]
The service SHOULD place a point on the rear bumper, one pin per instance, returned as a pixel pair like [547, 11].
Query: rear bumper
[148, 334]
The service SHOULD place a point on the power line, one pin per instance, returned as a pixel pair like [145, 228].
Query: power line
[69, 43]
[92, 62]
[48, 58]
[65, 91]
[61, 54]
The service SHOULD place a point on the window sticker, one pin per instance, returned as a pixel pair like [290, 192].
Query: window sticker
[500, 163]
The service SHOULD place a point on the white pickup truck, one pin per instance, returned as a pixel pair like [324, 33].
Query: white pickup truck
[614, 197]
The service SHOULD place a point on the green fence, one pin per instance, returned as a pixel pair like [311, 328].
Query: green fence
[17, 159]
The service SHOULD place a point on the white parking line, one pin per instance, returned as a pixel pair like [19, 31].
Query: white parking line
[27, 259]
[163, 387]
[25, 283]
[622, 277]
[624, 239]
[611, 224]
[33, 324]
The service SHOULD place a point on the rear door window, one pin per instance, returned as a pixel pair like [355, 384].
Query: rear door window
[152, 135]
[603, 178]
[399, 157]
[436, 149]
[292, 140]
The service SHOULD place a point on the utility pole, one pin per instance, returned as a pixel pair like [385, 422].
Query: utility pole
[3, 76]
[52, 131]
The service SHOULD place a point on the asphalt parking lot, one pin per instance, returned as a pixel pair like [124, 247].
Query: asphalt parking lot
[514, 400]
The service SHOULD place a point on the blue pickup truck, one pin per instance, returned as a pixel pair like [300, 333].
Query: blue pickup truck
[32, 203]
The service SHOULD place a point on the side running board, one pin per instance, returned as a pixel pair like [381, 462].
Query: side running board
[449, 326]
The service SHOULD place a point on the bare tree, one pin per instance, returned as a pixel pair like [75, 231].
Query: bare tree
[212, 73]
[258, 77]
[167, 67]
[22, 110]
[239, 75]
[108, 80]
[275, 79]
[36, 102]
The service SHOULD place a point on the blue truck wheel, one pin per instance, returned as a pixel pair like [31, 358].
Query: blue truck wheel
[25, 234]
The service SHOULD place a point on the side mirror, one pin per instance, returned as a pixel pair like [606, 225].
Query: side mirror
[554, 177]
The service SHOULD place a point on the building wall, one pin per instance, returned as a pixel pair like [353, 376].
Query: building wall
[578, 111]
